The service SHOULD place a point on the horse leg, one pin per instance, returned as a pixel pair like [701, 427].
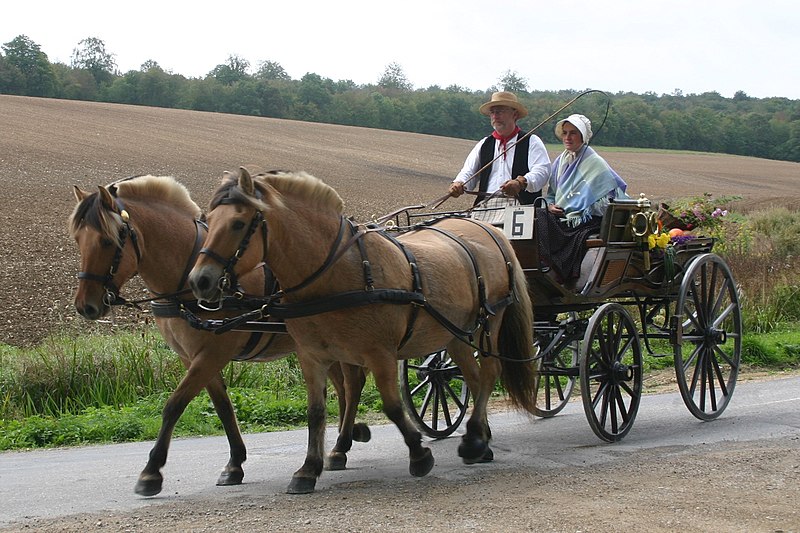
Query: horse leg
[232, 474]
[349, 391]
[421, 458]
[150, 479]
[305, 479]
[474, 447]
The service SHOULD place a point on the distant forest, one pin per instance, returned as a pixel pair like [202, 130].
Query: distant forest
[708, 122]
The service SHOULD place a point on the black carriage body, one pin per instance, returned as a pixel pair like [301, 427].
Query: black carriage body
[590, 330]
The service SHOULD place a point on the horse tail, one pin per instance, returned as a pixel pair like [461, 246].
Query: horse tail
[515, 344]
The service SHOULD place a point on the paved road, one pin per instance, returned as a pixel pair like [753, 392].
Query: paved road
[54, 483]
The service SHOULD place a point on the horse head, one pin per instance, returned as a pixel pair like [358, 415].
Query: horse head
[237, 237]
[108, 248]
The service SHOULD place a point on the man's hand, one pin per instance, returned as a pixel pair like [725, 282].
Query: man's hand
[456, 189]
[513, 187]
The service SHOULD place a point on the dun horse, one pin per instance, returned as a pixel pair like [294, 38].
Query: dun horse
[149, 225]
[365, 297]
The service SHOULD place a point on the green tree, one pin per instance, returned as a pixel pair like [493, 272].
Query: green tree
[91, 55]
[394, 78]
[27, 70]
[511, 81]
[232, 71]
[314, 98]
[12, 81]
[271, 70]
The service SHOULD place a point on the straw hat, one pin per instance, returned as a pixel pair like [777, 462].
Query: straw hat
[583, 124]
[504, 98]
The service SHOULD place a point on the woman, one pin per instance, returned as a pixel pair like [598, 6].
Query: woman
[580, 187]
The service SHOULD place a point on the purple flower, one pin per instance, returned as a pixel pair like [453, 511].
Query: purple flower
[681, 239]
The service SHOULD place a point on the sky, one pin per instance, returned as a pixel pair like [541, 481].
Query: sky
[638, 46]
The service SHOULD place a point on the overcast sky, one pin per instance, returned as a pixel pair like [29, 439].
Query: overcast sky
[614, 45]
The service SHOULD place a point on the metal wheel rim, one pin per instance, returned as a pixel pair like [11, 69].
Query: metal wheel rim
[710, 334]
[611, 372]
[434, 393]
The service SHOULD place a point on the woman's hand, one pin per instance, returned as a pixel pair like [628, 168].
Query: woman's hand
[555, 210]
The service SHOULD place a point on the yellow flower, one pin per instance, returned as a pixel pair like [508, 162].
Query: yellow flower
[661, 240]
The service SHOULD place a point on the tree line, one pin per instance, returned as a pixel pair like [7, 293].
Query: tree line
[743, 125]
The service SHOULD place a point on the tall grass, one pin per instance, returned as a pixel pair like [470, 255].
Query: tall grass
[763, 251]
[76, 389]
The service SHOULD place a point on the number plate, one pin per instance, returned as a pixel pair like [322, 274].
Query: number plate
[518, 222]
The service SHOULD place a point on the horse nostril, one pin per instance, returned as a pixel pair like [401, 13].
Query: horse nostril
[201, 283]
[90, 312]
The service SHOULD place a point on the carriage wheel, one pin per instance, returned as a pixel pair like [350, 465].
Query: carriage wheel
[611, 372]
[434, 393]
[554, 381]
[710, 332]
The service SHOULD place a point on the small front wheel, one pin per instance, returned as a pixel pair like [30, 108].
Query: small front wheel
[611, 372]
[434, 393]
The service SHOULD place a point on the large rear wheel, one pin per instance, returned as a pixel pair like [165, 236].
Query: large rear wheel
[611, 372]
[434, 393]
[708, 338]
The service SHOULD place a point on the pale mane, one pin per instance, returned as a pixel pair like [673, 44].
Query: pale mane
[162, 188]
[305, 185]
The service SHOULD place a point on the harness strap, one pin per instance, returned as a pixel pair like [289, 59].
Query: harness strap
[329, 261]
[416, 283]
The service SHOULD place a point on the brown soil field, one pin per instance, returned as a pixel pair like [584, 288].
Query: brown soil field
[48, 145]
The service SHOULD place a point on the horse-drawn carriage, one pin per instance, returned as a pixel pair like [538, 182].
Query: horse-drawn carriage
[592, 330]
[430, 285]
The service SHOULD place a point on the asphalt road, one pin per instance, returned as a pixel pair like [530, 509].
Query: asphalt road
[56, 483]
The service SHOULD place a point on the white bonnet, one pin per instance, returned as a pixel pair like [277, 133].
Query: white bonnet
[583, 124]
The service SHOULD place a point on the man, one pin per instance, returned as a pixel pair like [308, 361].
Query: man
[507, 166]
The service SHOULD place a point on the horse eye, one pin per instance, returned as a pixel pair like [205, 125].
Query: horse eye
[106, 243]
[238, 225]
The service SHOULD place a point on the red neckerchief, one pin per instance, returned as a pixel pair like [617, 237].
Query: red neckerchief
[504, 140]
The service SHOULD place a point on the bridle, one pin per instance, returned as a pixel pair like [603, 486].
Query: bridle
[229, 280]
[112, 296]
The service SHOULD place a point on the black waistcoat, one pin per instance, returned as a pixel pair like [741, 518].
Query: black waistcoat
[518, 168]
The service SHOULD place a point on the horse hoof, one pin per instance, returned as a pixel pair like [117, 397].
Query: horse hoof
[420, 467]
[488, 456]
[148, 487]
[474, 450]
[361, 432]
[301, 485]
[230, 477]
[336, 461]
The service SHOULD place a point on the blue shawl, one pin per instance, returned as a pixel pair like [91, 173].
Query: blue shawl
[577, 186]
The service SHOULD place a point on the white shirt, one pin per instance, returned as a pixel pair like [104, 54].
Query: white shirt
[538, 165]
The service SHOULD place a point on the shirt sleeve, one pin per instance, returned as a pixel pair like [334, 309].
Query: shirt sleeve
[471, 166]
[538, 163]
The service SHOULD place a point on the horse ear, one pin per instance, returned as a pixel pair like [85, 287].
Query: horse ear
[105, 196]
[80, 194]
[246, 182]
